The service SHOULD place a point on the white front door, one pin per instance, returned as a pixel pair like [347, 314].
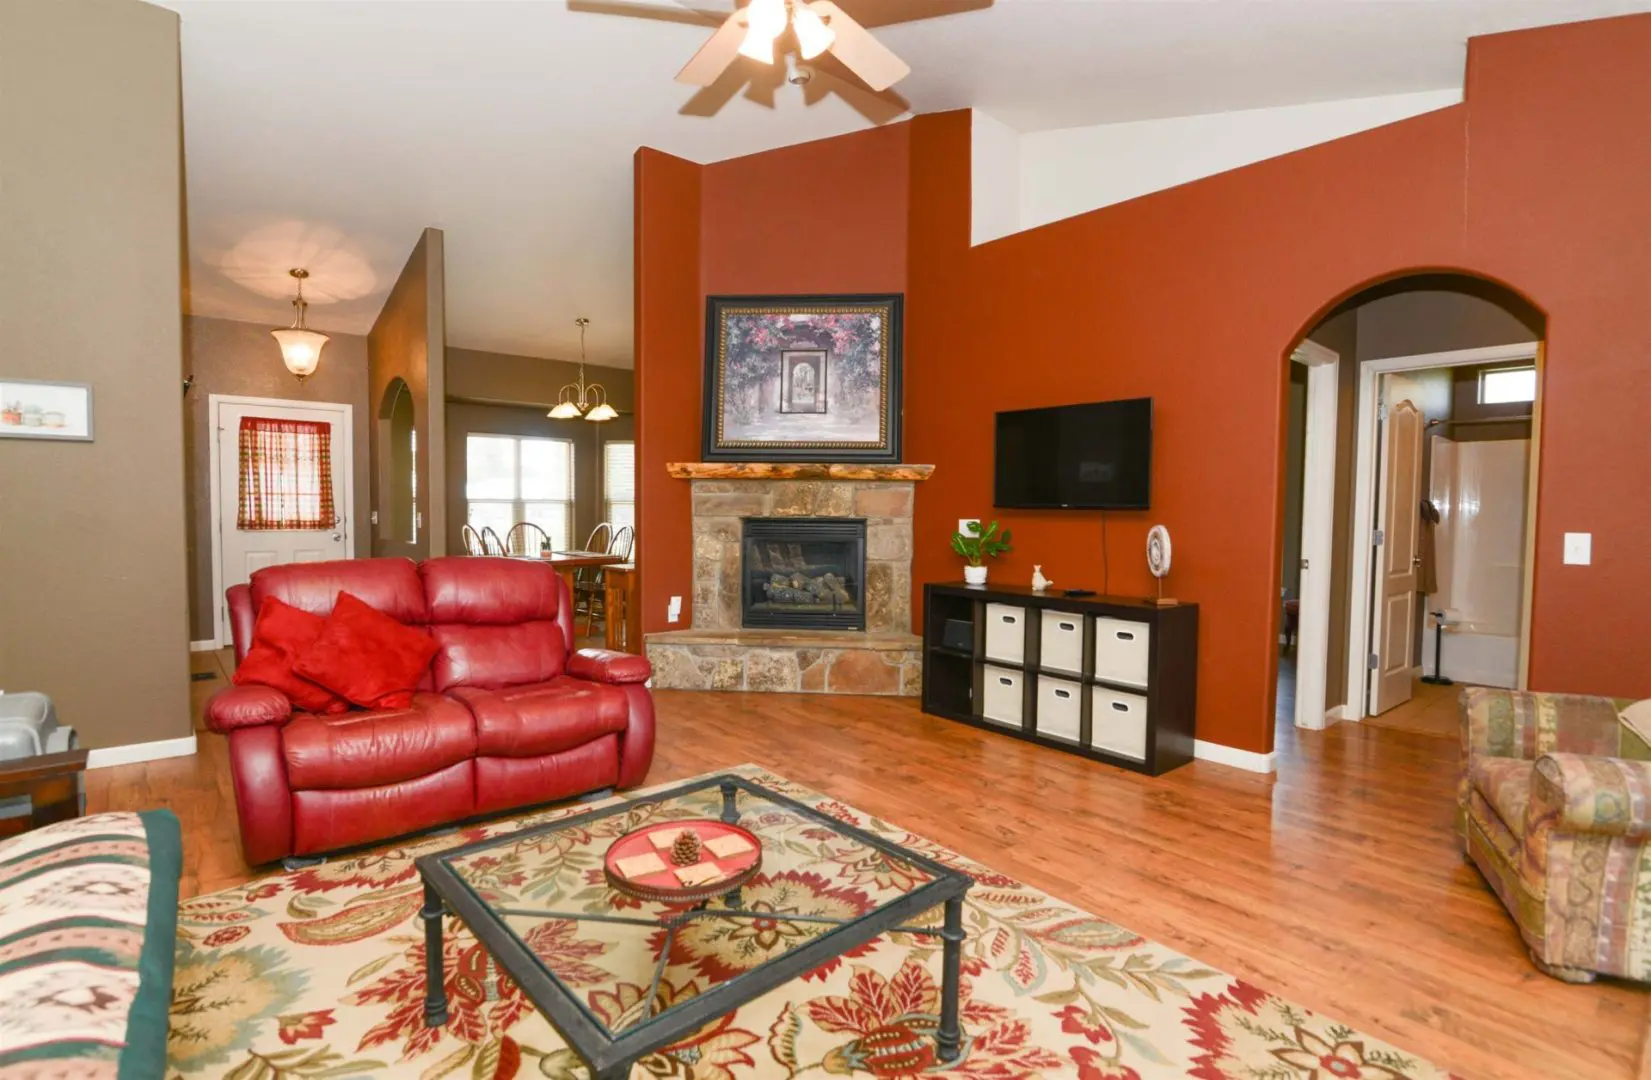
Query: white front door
[242, 542]
[1393, 630]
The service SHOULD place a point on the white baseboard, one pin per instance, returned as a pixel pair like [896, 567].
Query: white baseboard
[1335, 715]
[1222, 754]
[105, 756]
[203, 646]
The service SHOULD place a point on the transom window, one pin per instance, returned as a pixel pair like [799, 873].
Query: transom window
[514, 478]
[1503, 386]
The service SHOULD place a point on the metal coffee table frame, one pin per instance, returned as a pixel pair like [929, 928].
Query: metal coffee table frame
[609, 1055]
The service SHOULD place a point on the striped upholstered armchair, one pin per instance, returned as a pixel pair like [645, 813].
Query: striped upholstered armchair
[1555, 799]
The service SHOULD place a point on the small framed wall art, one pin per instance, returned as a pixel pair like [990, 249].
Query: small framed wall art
[802, 378]
[33, 409]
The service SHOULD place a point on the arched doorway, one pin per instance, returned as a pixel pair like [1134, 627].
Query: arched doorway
[1376, 533]
[397, 470]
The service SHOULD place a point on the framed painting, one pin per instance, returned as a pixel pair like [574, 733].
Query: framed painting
[32, 409]
[802, 378]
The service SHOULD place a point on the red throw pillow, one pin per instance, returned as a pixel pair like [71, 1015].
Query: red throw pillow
[281, 634]
[367, 656]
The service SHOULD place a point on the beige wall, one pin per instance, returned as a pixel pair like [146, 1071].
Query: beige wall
[464, 418]
[228, 357]
[92, 548]
[502, 394]
[408, 341]
[502, 379]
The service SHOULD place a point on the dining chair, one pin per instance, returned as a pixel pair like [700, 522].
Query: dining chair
[491, 544]
[587, 580]
[472, 540]
[620, 542]
[526, 538]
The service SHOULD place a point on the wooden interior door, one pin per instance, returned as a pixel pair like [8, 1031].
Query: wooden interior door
[1398, 517]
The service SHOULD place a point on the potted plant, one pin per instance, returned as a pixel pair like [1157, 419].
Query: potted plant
[975, 545]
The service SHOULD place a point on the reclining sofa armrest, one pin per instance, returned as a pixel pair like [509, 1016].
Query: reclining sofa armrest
[608, 666]
[1579, 793]
[236, 707]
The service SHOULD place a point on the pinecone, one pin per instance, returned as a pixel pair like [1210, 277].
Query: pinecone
[685, 849]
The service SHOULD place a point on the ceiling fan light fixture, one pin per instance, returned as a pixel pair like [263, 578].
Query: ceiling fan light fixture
[813, 35]
[757, 48]
[765, 18]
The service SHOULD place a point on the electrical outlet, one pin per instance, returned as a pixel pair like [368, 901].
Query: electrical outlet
[964, 523]
[673, 612]
[1579, 549]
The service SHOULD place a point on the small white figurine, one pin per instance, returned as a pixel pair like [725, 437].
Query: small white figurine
[1039, 582]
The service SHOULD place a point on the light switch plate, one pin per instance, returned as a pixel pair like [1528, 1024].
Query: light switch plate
[673, 611]
[963, 524]
[1579, 549]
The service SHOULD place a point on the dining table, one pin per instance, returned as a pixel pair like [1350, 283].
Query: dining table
[569, 563]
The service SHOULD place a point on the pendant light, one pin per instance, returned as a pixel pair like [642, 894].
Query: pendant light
[300, 346]
[589, 400]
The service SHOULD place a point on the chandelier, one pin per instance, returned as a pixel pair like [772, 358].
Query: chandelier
[300, 346]
[589, 400]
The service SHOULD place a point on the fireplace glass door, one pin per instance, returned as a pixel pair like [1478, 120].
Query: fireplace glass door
[804, 573]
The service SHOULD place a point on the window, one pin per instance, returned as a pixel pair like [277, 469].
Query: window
[286, 475]
[510, 479]
[619, 485]
[1506, 385]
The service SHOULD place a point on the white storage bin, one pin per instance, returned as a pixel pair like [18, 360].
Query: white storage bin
[1006, 633]
[1001, 696]
[1121, 650]
[1061, 642]
[1060, 708]
[1118, 722]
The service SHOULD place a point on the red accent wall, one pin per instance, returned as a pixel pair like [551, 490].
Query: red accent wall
[1194, 296]
[821, 217]
[668, 315]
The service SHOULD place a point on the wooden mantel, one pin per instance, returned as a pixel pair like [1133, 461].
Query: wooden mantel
[804, 470]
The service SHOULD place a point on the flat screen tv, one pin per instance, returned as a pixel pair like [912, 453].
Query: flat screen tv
[1096, 456]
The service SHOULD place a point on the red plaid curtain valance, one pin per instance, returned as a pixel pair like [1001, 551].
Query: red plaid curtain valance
[286, 474]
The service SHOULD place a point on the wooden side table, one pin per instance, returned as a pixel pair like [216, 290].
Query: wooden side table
[52, 784]
[621, 611]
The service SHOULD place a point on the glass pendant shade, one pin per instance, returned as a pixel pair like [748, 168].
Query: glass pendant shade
[300, 349]
[766, 18]
[602, 411]
[564, 410]
[813, 35]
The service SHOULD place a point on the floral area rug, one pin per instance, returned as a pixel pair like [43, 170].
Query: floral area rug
[319, 975]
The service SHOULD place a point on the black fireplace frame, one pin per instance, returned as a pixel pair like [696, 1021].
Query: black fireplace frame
[804, 529]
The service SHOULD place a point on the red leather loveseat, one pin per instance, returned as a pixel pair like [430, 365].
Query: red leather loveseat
[507, 715]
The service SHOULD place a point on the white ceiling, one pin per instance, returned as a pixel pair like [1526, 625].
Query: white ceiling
[327, 134]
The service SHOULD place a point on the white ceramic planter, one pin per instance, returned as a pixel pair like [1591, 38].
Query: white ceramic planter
[974, 575]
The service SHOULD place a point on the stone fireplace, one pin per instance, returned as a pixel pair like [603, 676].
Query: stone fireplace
[802, 581]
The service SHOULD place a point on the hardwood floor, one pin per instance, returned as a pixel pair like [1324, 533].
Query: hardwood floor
[1337, 882]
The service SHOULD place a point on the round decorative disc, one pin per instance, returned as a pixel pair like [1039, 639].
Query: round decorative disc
[1158, 551]
[640, 863]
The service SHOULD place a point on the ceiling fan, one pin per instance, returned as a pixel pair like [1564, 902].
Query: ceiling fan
[819, 26]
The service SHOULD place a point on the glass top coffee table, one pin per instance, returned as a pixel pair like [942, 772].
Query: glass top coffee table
[606, 969]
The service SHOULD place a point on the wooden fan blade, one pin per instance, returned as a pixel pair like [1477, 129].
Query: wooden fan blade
[716, 54]
[861, 53]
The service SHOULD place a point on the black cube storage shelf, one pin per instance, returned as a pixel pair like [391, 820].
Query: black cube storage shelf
[1032, 698]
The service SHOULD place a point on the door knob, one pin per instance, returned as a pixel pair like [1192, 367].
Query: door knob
[1415, 560]
[338, 536]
